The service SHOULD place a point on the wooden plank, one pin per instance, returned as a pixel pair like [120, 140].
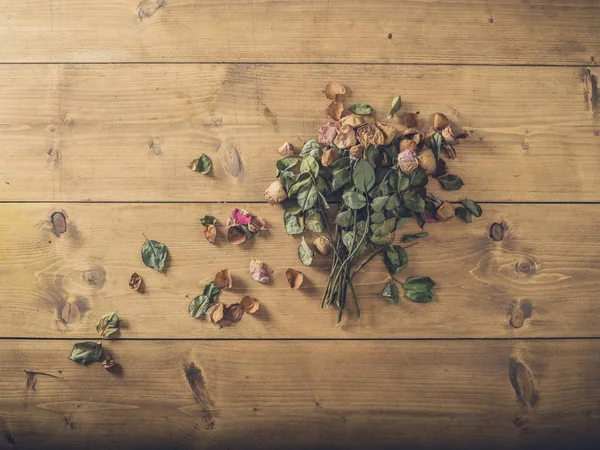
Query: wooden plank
[128, 132]
[546, 267]
[380, 31]
[305, 394]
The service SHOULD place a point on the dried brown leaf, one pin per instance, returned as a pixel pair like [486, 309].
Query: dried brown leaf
[136, 283]
[295, 278]
[334, 110]
[216, 313]
[234, 313]
[210, 233]
[223, 279]
[249, 304]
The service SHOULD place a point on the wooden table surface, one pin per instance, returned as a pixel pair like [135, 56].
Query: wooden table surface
[103, 104]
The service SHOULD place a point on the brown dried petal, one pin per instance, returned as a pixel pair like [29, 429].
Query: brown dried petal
[322, 245]
[427, 161]
[412, 120]
[390, 133]
[286, 150]
[108, 362]
[235, 233]
[334, 90]
[407, 144]
[260, 271]
[407, 161]
[414, 135]
[249, 304]
[354, 120]
[223, 279]
[356, 152]
[210, 233]
[369, 133]
[334, 110]
[346, 137]
[257, 225]
[136, 283]
[275, 193]
[445, 212]
[440, 121]
[234, 313]
[329, 157]
[295, 278]
[216, 313]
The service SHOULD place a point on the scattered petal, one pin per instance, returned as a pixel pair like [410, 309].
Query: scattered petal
[136, 283]
[241, 216]
[346, 137]
[260, 271]
[440, 121]
[257, 225]
[275, 193]
[234, 313]
[286, 150]
[249, 304]
[216, 313]
[223, 279]
[334, 90]
[295, 278]
[334, 110]
[108, 363]
[235, 233]
[327, 133]
[210, 233]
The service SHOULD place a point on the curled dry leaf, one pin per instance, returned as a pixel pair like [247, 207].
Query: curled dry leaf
[275, 193]
[210, 233]
[136, 283]
[234, 313]
[249, 304]
[334, 90]
[286, 150]
[202, 164]
[216, 313]
[334, 110]
[108, 362]
[235, 233]
[295, 278]
[223, 279]
[108, 324]
[322, 245]
[260, 271]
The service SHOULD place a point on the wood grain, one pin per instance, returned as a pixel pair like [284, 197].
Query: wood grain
[544, 273]
[303, 395]
[374, 31]
[127, 133]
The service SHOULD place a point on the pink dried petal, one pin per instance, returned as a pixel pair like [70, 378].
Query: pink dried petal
[241, 216]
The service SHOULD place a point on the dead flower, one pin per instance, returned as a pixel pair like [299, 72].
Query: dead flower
[322, 245]
[334, 90]
[389, 133]
[407, 161]
[354, 120]
[234, 313]
[275, 193]
[286, 150]
[235, 233]
[108, 362]
[369, 133]
[223, 279]
[445, 211]
[249, 304]
[136, 283]
[257, 225]
[327, 133]
[356, 152]
[216, 313]
[260, 271]
[427, 161]
[440, 121]
[412, 120]
[295, 278]
[334, 110]
[329, 157]
[346, 137]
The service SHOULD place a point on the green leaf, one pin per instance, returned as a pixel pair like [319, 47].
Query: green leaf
[395, 259]
[473, 207]
[307, 197]
[211, 291]
[208, 220]
[86, 352]
[348, 239]
[370, 154]
[403, 182]
[418, 178]
[291, 205]
[414, 237]
[202, 164]
[340, 164]
[340, 179]
[393, 202]
[344, 218]
[108, 324]
[396, 105]
[413, 201]
[436, 145]
[314, 222]
[287, 178]
[363, 176]
[285, 164]
[199, 305]
[293, 224]
[154, 254]
[362, 109]
[377, 217]
[379, 238]
[419, 289]
[305, 253]
[378, 203]
[464, 214]
[451, 182]
[310, 164]
[312, 147]
[354, 200]
[302, 180]
[391, 293]
[388, 225]
[322, 185]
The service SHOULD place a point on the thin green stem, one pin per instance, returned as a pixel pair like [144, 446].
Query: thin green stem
[368, 260]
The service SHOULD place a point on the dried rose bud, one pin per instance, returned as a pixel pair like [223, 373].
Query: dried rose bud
[223, 279]
[322, 245]
[108, 362]
[329, 157]
[427, 161]
[235, 233]
[356, 152]
[414, 135]
[327, 133]
[389, 133]
[334, 110]
[334, 90]
[249, 304]
[275, 193]
[368, 133]
[241, 216]
[346, 137]
[257, 225]
[354, 120]
[210, 233]
[234, 313]
[440, 121]
[295, 278]
[286, 150]
[412, 120]
[260, 271]
[407, 161]
[407, 144]
[445, 212]
[216, 313]
[136, 283]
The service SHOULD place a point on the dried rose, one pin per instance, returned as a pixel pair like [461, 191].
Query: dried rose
[445, 211]
[428, 217]
[327, 133]
[235, 233]
[334, 90]
[216, 313]
[356, 152]
[249, 305]
[275, 193]
[414, 135]
[329, 157]
[136, 283]
[334, 110]
[295, 278]
[260, 271]
[440, 121]
[407, 161]
[286, 150]
[223, 279]
[412, 120]
[346, 137]
[389, 133]
[234, 313]
[369, 133]
[407, 144]
[257, 225]
[428, 135]
[448, 135]
[108, 362]
[322, 245]
[210, 233]
[354, 120]
[241, 216]
[427, 161]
